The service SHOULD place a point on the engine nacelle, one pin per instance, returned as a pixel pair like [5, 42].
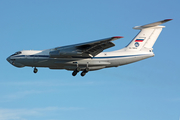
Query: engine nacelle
[63, 53]
[54, 54]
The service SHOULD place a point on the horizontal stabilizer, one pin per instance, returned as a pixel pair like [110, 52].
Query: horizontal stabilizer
[152, 24]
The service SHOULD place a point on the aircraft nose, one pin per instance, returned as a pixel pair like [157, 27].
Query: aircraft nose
[8, 59]
[13, 61]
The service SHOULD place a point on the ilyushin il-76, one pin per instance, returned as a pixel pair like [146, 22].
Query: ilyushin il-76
[89, 56]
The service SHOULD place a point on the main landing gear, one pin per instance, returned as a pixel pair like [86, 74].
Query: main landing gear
[75, 71]
[35, 70]
[79, 69]
[82, 74]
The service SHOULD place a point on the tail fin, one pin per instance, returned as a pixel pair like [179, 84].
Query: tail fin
[147, 36]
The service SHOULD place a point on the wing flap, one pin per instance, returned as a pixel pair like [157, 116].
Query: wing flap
[99, 48]
[95, 47]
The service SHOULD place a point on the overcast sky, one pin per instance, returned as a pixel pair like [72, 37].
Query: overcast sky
[145, 90]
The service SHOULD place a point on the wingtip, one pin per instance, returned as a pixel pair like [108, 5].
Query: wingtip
[118, 37]
[166, 20]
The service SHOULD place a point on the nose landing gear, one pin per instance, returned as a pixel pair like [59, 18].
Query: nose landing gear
[35, 70]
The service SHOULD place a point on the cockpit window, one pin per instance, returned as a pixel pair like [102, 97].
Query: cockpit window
[17, 53]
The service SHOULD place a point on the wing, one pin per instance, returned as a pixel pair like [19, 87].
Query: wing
[88, 49]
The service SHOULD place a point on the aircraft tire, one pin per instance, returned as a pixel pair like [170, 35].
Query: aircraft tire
[83, 74]
[35, 70]
[74, 73]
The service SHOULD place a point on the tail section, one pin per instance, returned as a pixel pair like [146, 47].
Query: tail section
[147, 36]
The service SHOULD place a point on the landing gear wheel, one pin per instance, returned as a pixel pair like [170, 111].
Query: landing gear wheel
[83, 74]
[74, 73]
[35, 70]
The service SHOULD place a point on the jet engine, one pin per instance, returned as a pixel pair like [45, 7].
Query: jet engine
[63, 53]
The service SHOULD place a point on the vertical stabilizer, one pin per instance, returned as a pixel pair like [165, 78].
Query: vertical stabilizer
[147, 36]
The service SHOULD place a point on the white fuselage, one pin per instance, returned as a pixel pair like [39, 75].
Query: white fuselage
[117, 58]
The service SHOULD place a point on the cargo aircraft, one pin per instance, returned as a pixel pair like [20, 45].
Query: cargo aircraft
[89, 56]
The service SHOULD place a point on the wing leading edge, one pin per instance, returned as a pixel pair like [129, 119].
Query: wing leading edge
[88, 49]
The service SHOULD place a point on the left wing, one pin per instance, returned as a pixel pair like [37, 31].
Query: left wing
[88, 49]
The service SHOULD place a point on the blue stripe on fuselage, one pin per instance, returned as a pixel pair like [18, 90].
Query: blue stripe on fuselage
[118, 56]
[45, 56]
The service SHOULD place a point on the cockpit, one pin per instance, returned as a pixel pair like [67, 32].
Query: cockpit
[17, 53]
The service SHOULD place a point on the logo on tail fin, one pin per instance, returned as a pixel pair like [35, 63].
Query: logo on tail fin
[136, 44]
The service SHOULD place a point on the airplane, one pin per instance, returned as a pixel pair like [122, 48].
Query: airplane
[89, 56]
